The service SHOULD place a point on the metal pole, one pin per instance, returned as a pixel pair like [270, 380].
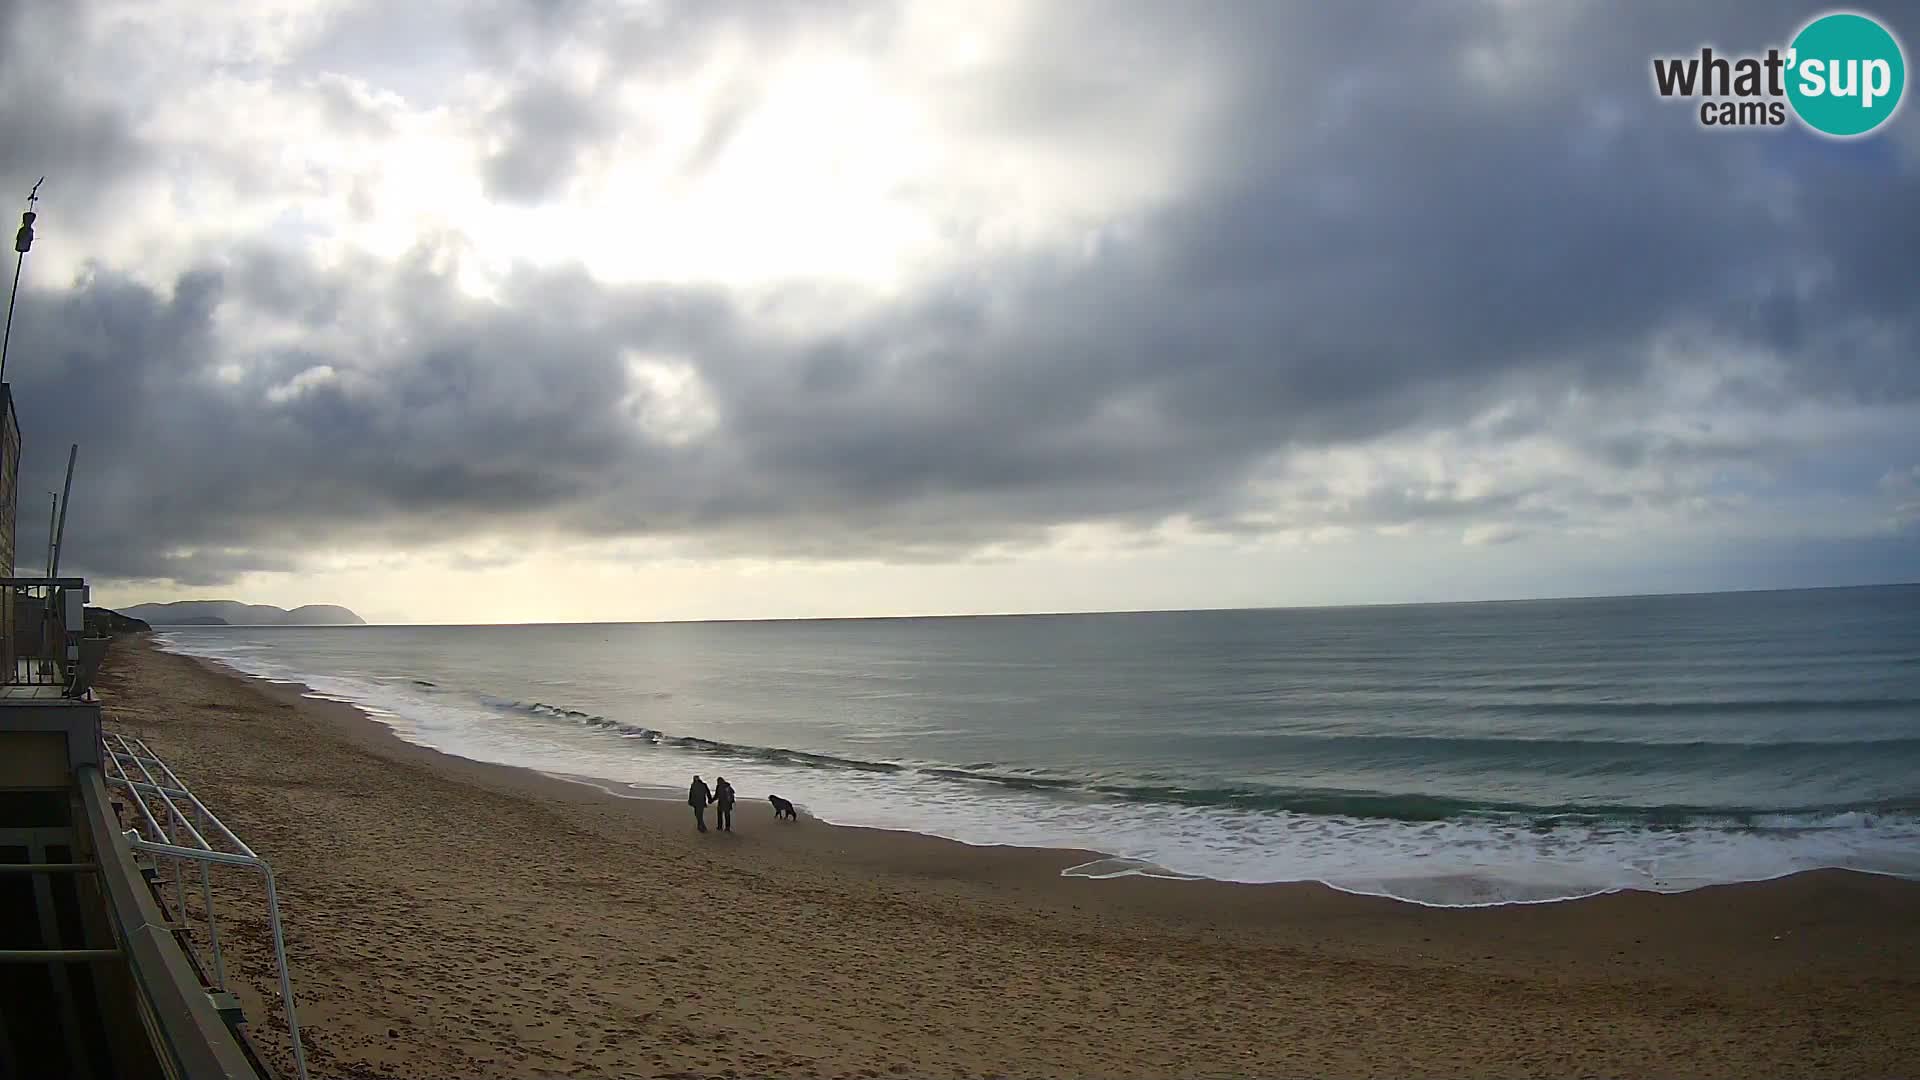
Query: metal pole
[21, 242]
[47, 617]
[51, 956]
[213, 929]
[46, 621]
[66, 498]
[8, 339]
[286, 986]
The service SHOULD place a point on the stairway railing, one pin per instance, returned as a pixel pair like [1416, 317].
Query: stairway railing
[179, 838]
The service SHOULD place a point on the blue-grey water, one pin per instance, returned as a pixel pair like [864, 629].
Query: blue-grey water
[1454, 753]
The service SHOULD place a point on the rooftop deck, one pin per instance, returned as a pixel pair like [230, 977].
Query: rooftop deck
[43, 694]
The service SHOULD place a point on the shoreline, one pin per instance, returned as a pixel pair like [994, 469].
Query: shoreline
[1085, 857]
[448, 917]
[1076, 858]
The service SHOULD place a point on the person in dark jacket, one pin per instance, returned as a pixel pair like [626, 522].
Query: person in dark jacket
[723, 798]
[698, 797]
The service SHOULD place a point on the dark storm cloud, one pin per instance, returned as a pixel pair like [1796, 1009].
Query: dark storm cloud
[1382, 235]
[1442, 230]
[484, 417]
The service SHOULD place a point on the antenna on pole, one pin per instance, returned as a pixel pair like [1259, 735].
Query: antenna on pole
[66, 499]
[51, 514]
[22, 243]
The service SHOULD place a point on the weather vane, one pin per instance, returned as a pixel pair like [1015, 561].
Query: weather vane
[23, 240]
[22, 243]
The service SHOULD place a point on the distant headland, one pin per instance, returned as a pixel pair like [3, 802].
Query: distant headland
[234, 613]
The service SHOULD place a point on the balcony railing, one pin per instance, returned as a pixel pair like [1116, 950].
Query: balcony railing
[44, 651]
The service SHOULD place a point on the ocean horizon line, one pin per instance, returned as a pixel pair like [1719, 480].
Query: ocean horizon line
[1370, 605]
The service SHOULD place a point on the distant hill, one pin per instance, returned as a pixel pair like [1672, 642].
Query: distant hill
[234, 613]
[322, 615]
[105, 622]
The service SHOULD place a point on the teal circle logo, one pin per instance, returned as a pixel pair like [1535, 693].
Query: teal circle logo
[1846, 74]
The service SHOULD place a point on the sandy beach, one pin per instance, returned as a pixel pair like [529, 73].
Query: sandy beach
[453, 919]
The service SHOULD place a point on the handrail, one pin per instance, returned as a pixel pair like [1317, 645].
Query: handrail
[189, 844]
[180, 1018]
[42, 956]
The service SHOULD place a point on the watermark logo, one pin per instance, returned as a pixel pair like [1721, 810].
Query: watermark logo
[1843, 75]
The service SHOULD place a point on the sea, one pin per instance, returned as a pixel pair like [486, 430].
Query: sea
[1443, 754]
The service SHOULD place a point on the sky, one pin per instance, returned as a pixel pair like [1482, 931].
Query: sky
[552, 310]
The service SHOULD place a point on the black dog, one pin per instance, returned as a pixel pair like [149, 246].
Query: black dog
[782, 808]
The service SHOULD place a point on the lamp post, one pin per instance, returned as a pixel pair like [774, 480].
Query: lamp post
[22, 243]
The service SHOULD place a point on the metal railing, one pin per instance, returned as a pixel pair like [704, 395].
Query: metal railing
[179, 834]
[180, 1021]
[42, 621]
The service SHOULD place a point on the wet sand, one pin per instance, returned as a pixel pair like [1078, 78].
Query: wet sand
[448, 918]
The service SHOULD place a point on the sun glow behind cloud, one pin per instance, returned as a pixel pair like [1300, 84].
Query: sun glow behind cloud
[871, 162]
[811, 180]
